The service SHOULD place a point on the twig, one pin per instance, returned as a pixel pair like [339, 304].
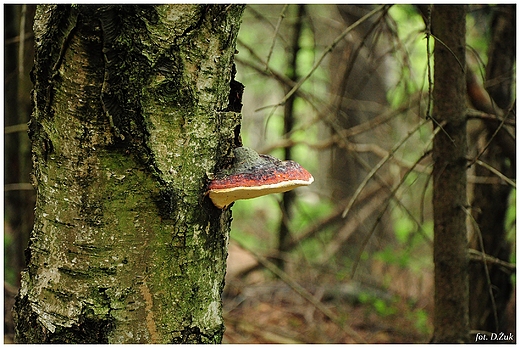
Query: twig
[276, 29]
[351, 147]
[496, 172]
[16, 39]
[428, 61]
[477, 255]
[281, 78]
[484, 116]
[449, 50]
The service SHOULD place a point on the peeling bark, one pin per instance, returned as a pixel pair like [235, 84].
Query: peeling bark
[133, 107]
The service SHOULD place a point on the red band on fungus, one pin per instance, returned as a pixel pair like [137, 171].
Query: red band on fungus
[263, 175]
[253, 175]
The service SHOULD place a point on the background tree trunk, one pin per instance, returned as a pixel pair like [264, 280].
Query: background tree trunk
[18, 196]
[358, 95]
[449, 176]
[289, 197]
[132, 109]
[490, 200]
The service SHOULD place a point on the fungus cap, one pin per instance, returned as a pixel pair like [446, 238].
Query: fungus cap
[252, 175]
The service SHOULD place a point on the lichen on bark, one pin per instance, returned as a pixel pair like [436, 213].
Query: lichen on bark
[131, 114]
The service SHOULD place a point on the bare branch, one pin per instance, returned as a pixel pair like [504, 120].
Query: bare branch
[280, 19]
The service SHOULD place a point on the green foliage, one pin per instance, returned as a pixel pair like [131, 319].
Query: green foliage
[420, 318]
[403, 227]
[389, 255]
[477, 36]
[511, 215]
[381, 306]
[411, 54]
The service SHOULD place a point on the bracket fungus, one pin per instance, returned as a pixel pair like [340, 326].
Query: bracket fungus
[252, 175]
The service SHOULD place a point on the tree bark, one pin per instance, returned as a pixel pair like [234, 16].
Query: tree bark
[449, 176]
[133, 107]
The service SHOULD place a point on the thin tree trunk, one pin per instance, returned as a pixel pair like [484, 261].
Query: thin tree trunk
[132, 109]
[449, 176]
[284, 235]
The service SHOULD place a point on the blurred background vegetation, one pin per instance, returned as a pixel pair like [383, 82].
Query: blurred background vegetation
[343, 90]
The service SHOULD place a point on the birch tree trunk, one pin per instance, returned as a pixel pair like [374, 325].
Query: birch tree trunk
[451, 323]
[133, 107]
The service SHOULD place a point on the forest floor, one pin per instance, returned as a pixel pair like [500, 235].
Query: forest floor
[260, 309]
[286, 318]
